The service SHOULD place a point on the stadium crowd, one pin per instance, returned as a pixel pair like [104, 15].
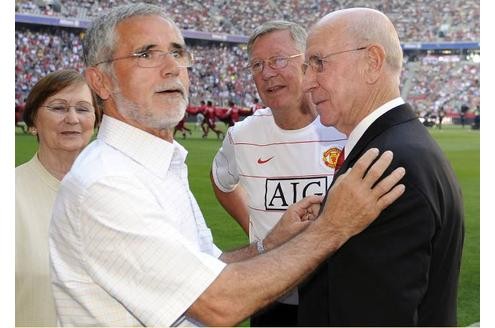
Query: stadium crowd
[447, 82]
[218, 74]
[40, 52]
[420, 20]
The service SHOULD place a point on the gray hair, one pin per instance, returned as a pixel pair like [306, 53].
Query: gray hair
[100, 39]
[297, 33]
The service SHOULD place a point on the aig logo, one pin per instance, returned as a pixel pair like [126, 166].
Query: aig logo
[280, 193]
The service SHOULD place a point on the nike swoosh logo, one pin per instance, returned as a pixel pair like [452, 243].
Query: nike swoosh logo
[260, 161]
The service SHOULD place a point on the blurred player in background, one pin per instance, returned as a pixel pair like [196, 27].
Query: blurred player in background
[256, 105]
[232, 114]
[181, 126]
[209, 121]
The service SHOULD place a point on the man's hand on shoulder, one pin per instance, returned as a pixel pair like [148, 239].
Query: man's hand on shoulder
[356, 199]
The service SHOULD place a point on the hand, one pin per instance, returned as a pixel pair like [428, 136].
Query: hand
[297, 217]
[354, 201]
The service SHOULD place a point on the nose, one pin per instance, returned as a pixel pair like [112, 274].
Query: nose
[169, 66]
[309, 81]
[71, 116]
[268, 72]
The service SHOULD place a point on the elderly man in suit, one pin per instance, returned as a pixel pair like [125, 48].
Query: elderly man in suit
[403, 269]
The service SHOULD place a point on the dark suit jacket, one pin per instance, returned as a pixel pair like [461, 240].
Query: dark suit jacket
[403, 269]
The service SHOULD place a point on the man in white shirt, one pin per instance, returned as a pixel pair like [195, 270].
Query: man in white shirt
[128, 243]
[280, 154]
[403, 269]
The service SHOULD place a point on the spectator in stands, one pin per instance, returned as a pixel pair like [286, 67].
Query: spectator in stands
[288, 134]
[436, 79]
[440, 21]
[61, 112]
[218, 74]
[42, 51]
[128, 243]
[403, 270]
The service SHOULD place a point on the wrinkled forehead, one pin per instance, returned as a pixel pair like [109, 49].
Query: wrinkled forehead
[137, 31]
[324, 38]
[273, 43]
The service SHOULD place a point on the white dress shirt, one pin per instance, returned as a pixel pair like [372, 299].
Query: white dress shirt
[359, 130]
[128, 243]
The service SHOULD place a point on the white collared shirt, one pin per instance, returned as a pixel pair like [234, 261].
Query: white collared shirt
[128, 243]
[359, 130]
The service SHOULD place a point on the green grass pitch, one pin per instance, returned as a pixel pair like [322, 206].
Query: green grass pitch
[462, 147]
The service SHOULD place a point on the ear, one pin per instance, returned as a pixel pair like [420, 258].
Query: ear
[32, 130]
[98, 82]
[375, 63]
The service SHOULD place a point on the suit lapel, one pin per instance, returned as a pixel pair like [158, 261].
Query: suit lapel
[395, 116]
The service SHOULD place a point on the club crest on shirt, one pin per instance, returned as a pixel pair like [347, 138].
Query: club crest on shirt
[330, 156]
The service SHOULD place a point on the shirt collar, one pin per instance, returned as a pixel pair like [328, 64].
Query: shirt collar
[359, 130]
[150, 151]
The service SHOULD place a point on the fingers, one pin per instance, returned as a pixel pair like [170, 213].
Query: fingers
[315, 209]
[391, 196]
[309, 201]
[311, 213]
[306, 207]
[386, 191]
[306, 217]
[312, 199]
[378, 168]
[363, 163]
[358, 196]
[389, 181]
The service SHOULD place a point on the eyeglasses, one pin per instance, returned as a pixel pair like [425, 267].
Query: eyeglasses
[153, 58]
[63, 107]
[316, 63]
[275, 62]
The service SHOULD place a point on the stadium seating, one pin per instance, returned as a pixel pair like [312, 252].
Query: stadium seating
[419, 20]
[428, 81]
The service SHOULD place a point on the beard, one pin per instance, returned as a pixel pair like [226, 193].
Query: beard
[166, 118]
[162, 117]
